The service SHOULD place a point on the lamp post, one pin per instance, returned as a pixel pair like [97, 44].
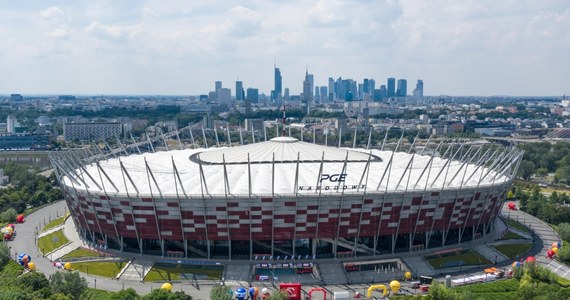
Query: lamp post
[95, 285]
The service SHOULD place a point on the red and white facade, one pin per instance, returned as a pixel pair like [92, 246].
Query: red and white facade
[284, 197]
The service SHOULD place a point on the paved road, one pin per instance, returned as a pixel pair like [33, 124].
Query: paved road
[545, 236]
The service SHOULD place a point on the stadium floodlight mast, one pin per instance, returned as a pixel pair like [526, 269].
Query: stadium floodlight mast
[149, 142]
[230, 137]
[240, 135]
[204, 137]
[178, 183]
[136, 144]
[216, 135]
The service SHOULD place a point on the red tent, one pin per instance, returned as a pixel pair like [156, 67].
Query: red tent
[20, 218]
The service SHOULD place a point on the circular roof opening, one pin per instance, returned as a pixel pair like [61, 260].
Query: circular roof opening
[284, 139]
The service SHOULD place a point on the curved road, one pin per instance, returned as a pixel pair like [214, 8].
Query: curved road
[546, 236]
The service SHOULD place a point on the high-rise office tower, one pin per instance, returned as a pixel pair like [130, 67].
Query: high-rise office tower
[224, 95]
[366, 86]
[312, 81]
[252, 95]
[371, 85]
[331, 89]
[353, 88]
[278, 84]
[419, 90]
[402, 90]
[383, 92]
[307, 90]
[286, 94]
[391, 87]
[217, 88]
[317, 95]
[239, 90]
[324, 94]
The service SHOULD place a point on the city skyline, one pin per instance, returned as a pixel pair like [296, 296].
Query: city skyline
[170, 48]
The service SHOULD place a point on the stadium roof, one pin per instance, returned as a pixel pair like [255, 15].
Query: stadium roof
[298, 168]
[280, 150]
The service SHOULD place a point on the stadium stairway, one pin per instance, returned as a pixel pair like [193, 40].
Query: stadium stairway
[418, 265]
[332, 272]
[136, 270]
[348, 245]
[238, 271]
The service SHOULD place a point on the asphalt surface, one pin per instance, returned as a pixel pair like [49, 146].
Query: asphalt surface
[25, 242]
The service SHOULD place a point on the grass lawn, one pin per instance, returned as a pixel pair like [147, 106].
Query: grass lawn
[10, 271]
[549, 190]
[101, 268]
[54, 223]
[81, 252]
[52, 241]
[495, 290]
[93, 294]
[516, 225]
[456, 259]
[169, 272]
[512, 250]
[512, 236]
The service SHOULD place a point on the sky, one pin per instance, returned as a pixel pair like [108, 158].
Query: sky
[174, 47]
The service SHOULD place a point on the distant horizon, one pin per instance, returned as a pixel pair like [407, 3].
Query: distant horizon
[149, 47]
[7, 95]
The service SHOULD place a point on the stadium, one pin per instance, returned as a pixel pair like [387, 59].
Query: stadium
[284, 197]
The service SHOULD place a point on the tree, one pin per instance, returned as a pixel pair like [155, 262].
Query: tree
[8, 215]
[220, 292]
[60, 296]
[526, 169]
[562, 175]
[162, 294]
[68, 283]
[128, 294]
[4, 253]
[541, 172]
[32, 281]
[278, 295]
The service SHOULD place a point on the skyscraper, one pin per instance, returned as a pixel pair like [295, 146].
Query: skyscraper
[391, 87]
[419, 90]
[324, 96]
[252, 95]
[278, 84]
[331, 89]
[307, 90]
[217, 88]
[239, 90]
[402, 90]
[224, 95]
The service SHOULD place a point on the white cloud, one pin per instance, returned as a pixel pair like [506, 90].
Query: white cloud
[59, 33]
[110, 32]
[53, 13]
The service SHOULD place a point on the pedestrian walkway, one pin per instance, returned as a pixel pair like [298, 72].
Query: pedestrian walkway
[332, 272]
[419, 266]
[136, 270]
[50, 231]
[546, 236]
[490, 253]
[74, 241]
